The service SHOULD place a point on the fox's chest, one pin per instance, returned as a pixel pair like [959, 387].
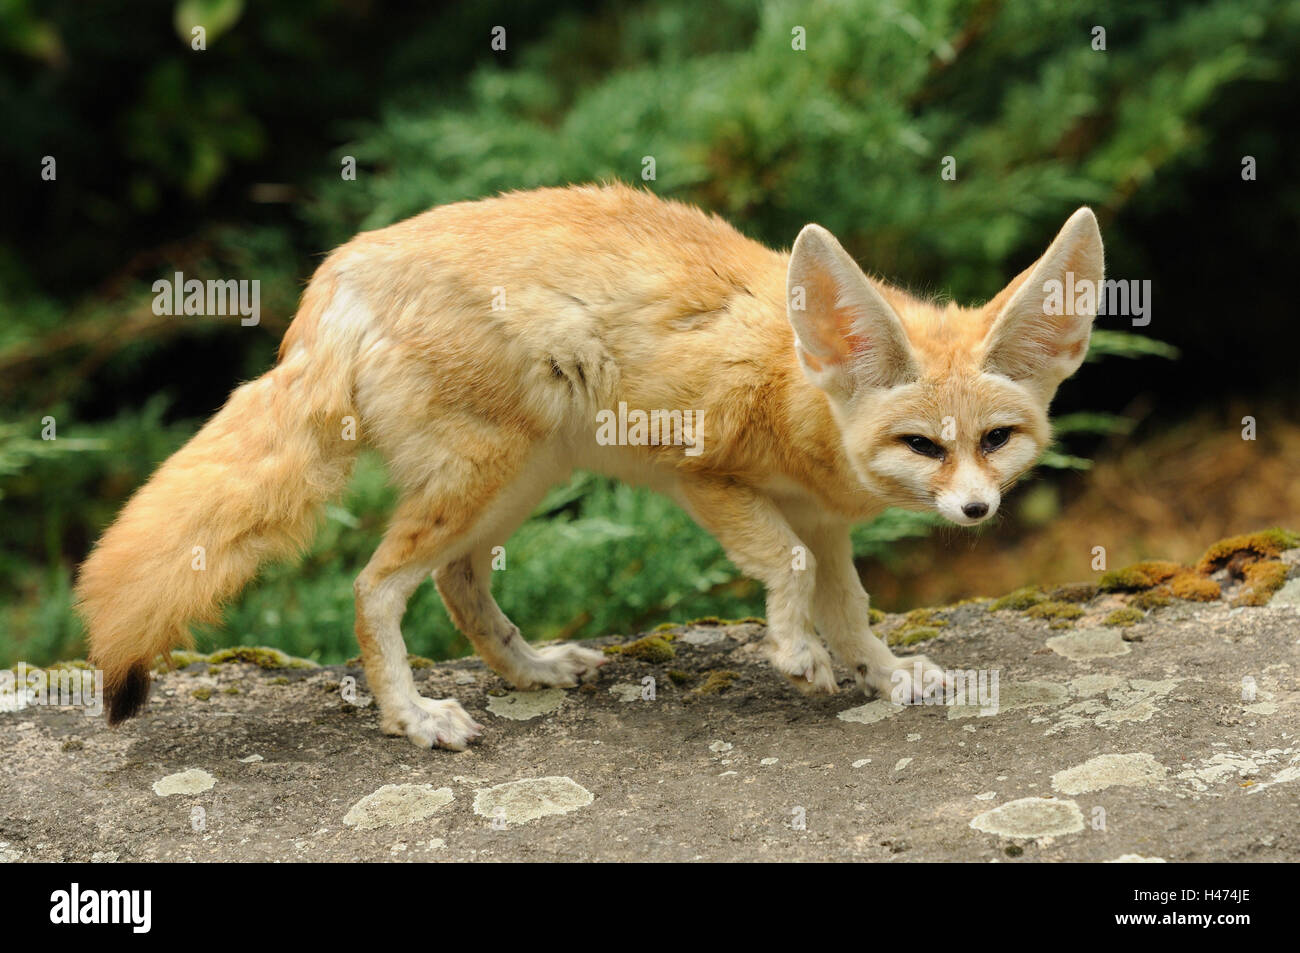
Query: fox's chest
[838, 502]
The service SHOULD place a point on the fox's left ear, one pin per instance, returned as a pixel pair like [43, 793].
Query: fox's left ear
[1041, 327]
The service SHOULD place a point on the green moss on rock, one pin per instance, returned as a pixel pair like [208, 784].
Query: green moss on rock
[1266, 544]
[1154, 582]
[1261, 580]
[1124, 616]
[910, 635]
[261, 656]
[969, 601]
[1074, 592]
[1054, 609]
[177, 658]
[1127, 579]
[1151, 598]
[924, 617]
[717, 681]
[1019, 600]
[1139, 576]
[1194, 587]
[651, 648]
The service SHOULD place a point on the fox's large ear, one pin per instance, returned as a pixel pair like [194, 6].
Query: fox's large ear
[846, 335]
[1042, 325]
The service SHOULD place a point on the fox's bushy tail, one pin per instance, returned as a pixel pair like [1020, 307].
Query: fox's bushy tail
[245, 489]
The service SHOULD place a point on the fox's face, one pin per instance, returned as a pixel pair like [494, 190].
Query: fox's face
[940, 407]
[953, 441]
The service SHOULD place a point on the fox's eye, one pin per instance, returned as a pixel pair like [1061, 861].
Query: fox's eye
[995, 438]
[924, 446]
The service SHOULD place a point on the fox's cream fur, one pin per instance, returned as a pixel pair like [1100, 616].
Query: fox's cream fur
[474, 346]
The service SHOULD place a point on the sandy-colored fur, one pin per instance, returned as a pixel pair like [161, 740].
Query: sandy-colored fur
[474, 346]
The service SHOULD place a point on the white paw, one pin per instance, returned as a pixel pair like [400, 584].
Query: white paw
[906, 681]
[433, 723]
[559, 666]
[806, 663]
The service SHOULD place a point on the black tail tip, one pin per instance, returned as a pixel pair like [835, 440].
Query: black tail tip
[125, 698]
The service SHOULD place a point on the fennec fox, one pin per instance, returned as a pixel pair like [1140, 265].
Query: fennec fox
[483, 348]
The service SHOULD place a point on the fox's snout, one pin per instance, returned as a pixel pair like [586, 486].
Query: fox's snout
[971, 495]
[967, 509]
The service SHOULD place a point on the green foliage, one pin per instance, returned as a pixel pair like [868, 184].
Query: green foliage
[53, 491]
[1109, 343]
[214, 16]
[17, 452]
[873, 540]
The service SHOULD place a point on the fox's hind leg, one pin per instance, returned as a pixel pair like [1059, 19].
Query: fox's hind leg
[433, 526]
[466, 591]
[399, 565]
[448, 527]
[465, 584]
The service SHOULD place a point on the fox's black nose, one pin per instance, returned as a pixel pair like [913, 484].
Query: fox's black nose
[975, 510]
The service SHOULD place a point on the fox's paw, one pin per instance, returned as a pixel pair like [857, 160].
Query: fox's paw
[559, 666]
[906, 681]
[433, 723]
[806, 664]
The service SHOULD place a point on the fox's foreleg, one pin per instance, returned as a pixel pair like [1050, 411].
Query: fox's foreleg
[841, 612]
[759, 540]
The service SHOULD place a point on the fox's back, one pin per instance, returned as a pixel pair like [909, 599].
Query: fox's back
[559, 299]
[610, 243]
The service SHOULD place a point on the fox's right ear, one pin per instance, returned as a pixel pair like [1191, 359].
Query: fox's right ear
[846, 335]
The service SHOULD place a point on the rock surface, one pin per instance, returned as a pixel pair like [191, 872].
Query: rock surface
[1176, 738]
